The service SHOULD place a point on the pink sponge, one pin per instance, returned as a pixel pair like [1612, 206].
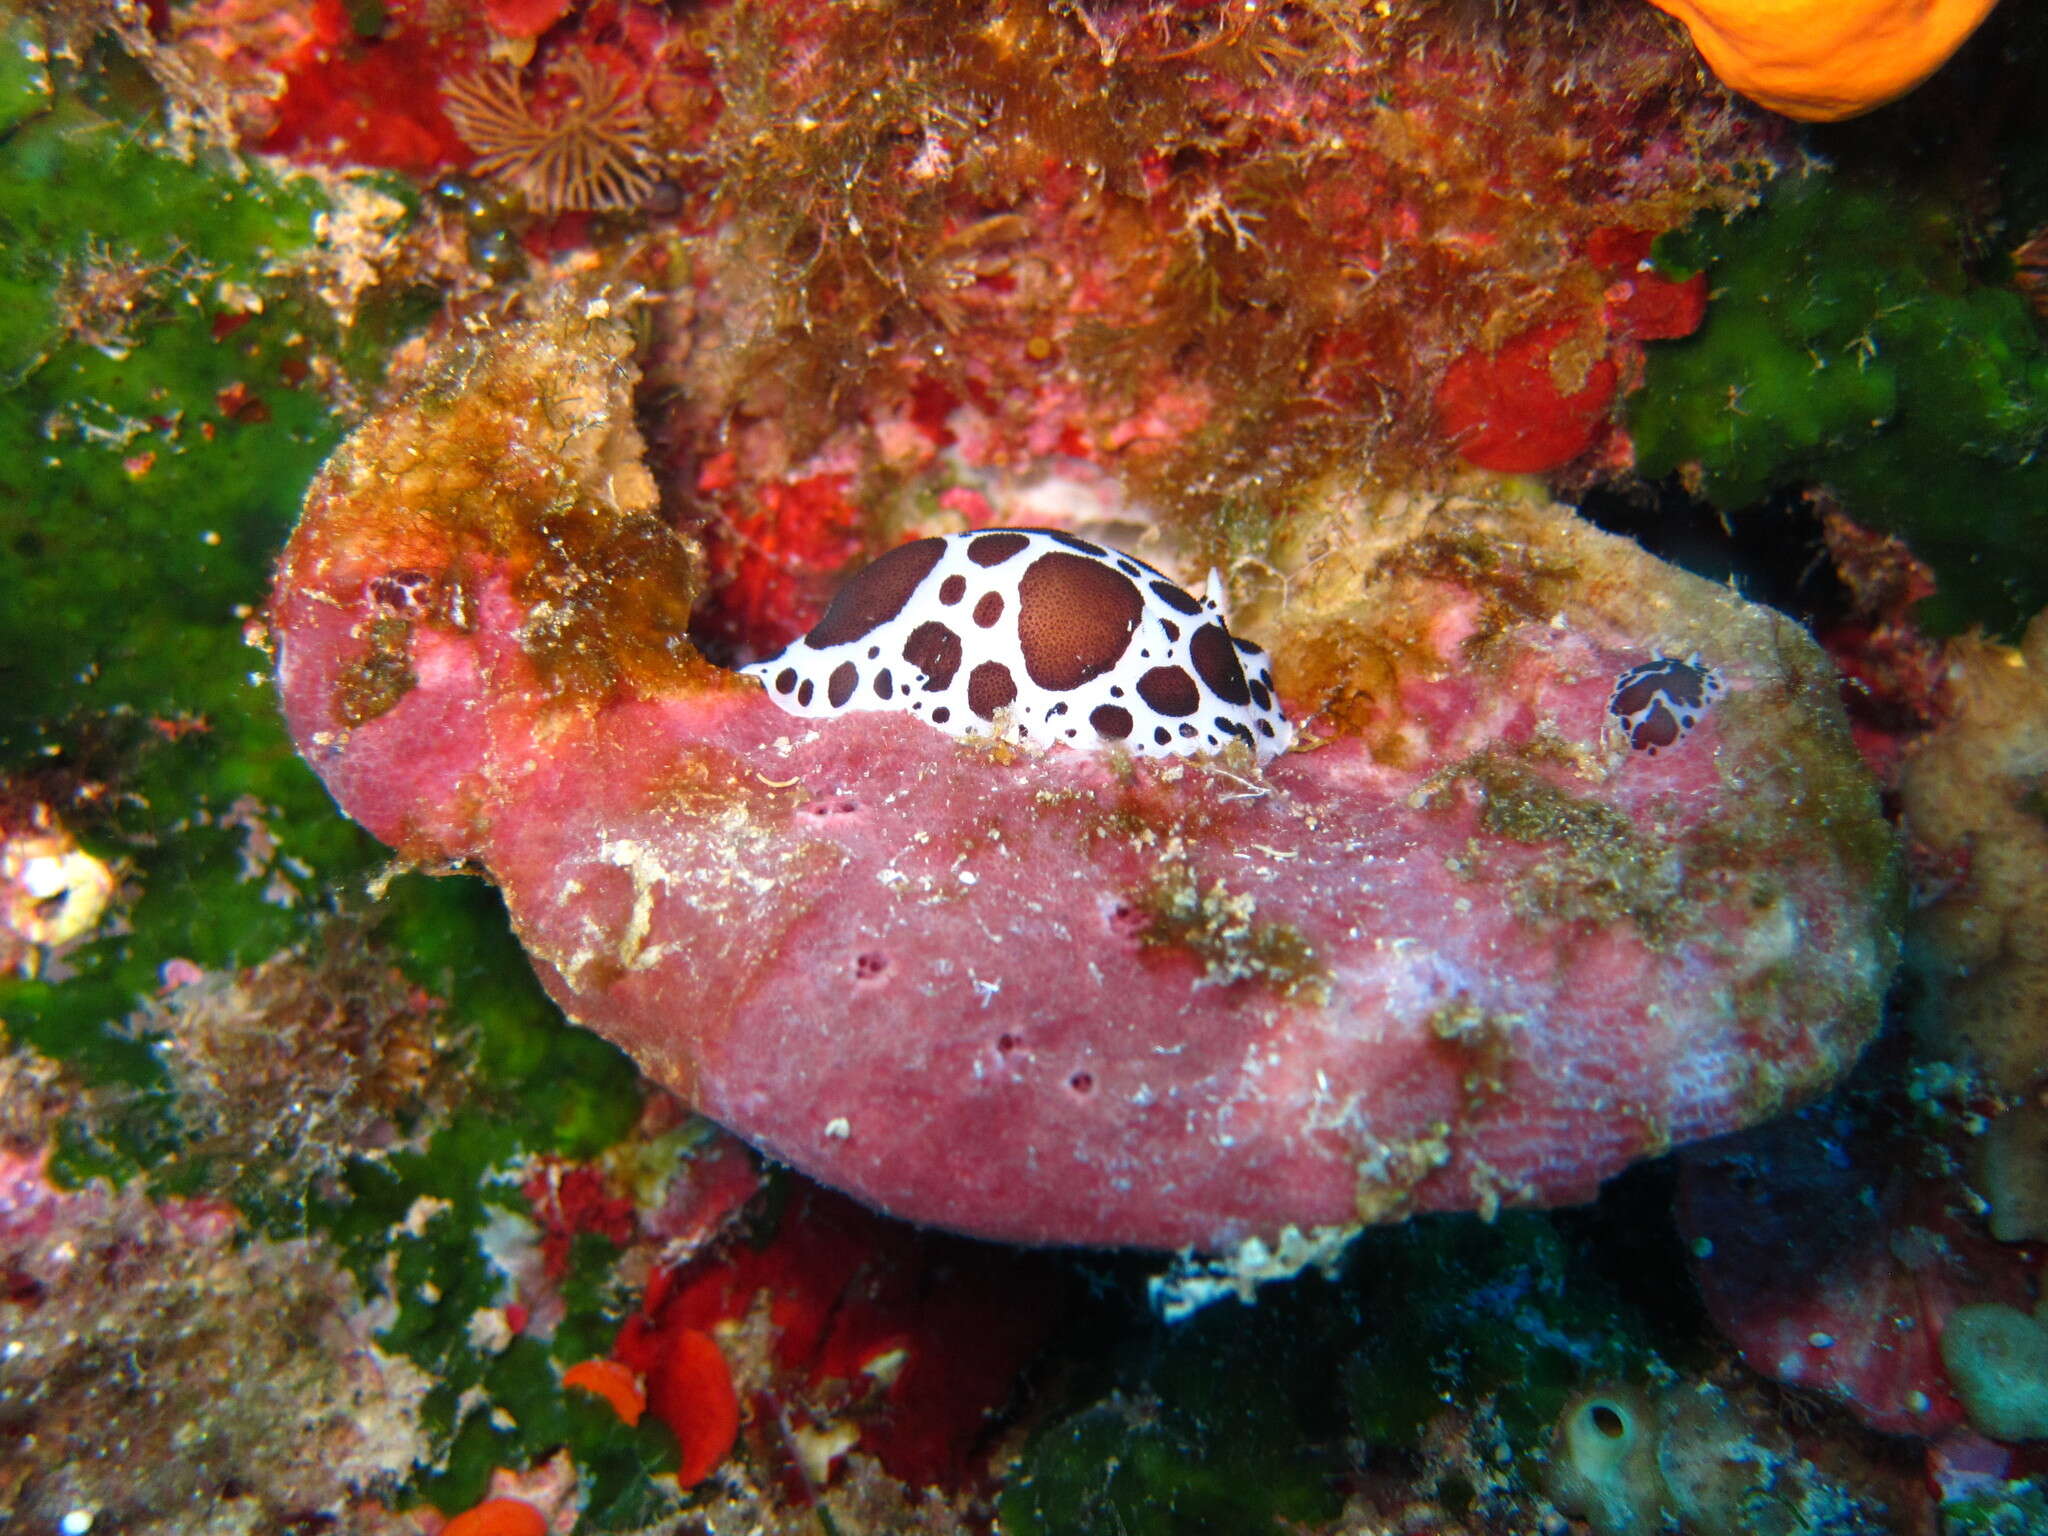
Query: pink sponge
[1469, 947]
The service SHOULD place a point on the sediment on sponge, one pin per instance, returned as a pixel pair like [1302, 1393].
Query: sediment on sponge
[1850, 344]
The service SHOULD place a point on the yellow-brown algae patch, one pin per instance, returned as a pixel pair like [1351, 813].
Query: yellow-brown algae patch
[1223, 930]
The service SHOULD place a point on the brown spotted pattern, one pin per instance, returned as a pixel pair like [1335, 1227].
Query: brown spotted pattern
[1036, 636]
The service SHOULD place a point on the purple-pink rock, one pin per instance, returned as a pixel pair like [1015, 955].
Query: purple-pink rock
[1467, 947]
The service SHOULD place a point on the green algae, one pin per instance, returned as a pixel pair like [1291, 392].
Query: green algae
[2017, 1509]
[129, 698]
[1850, 344]
[1506, 1313]
[159, 338]
[1207, 1434]
[173, 369]
[1245, 1418]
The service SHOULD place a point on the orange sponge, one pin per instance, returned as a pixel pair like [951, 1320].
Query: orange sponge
[1822, 60]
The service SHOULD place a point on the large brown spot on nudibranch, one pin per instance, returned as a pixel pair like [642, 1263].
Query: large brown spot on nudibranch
[1215, 660]
[994, 548]
[845, 678]
[935, 651]
[877, 594]
[1170, 691]
[990, 688]
[1075, 619]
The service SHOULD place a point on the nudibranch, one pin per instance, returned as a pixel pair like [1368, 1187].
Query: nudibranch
[1037, 636]
[1657, 703]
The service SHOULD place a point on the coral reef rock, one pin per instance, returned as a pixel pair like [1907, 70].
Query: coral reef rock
[1971, 797]
[1470, 948]
[163, 1374]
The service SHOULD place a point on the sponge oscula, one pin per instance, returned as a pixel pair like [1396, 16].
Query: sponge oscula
[1603, 1467]
[1823, 60]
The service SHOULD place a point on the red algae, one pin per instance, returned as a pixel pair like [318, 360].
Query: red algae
[1510, 412]
[690, 1390]
[1472, 950]
[498, 1517]
[849, 1332]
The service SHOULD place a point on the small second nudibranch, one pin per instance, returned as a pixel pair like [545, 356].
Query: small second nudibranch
[1037, 636]
[1657, 703]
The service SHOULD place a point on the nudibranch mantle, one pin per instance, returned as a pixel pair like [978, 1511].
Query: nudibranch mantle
[1037, 636]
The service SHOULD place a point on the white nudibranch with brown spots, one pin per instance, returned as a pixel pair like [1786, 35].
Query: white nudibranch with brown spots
[1040, 637]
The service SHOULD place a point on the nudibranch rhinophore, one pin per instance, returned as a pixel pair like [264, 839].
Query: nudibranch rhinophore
[1037, 636]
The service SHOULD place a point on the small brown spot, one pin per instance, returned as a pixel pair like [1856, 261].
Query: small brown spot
[995, 548]
[885, 686]
[1174, 598]
[989, 609]
[935, 651]
[941, 715]
[1262, 696]
[990, 688]
[1112, 722]
[1170, 691]
[1216, 664]
[877, 593]
[804, 693]
[952, 589]
[839, 687]
[785, 680]
[1075, 619]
